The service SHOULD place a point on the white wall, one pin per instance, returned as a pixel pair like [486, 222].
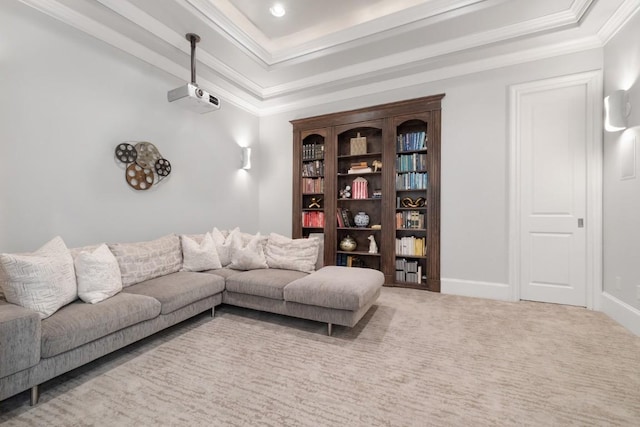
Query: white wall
[474, 167]
[67, 101]
[622, 196]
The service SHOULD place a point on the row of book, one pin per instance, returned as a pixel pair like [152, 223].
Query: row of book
[412, 181]
[344, 217]
[411, 162]
[411, 246]
[411, 141]
[410, 220]
[315, 168]
[312, 151]
[345, 260]
[312, 185]
[408, 271]
[313, 219]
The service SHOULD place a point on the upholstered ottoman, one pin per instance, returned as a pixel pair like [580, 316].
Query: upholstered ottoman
[340, 295]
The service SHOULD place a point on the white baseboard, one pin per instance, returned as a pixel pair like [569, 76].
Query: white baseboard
[473, 288]
[621, 312]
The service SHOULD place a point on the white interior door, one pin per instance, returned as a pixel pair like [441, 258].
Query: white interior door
[553, 127]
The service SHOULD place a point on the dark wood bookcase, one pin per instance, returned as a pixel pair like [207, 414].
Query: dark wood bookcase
[403, 196]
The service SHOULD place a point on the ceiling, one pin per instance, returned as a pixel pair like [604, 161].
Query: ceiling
[328, 50]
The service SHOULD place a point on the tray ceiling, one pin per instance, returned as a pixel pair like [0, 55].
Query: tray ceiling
[335, 49]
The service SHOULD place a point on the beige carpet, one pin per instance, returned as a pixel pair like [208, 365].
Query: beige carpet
[416, 358]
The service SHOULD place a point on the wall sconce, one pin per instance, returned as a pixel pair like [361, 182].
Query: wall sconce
[617, 109]
[246, 158]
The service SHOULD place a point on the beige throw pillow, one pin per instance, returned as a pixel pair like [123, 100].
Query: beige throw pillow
[43, 281]
[199, 257]
[142, 261]
[98, 275]
[250, 257]
[292, 254]
[224, 244]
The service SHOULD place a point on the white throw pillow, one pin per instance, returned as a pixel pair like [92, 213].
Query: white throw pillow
[98, 275]
[43, 281]
[199, 257]
[224, 244]
[292, 254]
[250, 257]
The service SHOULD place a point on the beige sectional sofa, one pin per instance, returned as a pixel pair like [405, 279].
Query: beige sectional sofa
[34, 349]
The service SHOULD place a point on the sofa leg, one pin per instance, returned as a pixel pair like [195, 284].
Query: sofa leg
[213, 311]
[329, 329]
[35, 395]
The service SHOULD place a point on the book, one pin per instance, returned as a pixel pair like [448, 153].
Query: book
[362, 170]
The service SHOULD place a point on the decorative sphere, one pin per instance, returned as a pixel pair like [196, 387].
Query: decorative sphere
[361, 219]
[348, 244]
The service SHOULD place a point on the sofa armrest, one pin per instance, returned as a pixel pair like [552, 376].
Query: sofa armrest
[19, 338]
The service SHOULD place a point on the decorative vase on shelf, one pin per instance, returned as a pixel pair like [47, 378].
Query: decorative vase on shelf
[361, 219]
[348, 244]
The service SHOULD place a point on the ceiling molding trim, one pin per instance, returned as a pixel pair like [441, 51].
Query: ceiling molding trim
[580, 7]
[166, 34]
[222, 24]
[458, 70]
[621, 16]
[117, 40]
[403, 59]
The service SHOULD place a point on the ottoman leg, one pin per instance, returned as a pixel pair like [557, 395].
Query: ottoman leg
[329, 328]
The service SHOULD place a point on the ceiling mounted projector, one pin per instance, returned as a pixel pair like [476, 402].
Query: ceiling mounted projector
[190, 95]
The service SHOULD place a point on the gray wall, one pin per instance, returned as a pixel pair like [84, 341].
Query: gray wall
[67, 100]
[474, 167]
[622, 196]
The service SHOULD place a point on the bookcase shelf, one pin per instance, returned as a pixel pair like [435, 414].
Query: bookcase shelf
[402, 141]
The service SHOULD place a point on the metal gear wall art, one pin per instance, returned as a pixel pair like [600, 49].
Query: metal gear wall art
[145, 166]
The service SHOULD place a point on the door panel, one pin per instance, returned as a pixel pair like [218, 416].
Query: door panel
[553, 195]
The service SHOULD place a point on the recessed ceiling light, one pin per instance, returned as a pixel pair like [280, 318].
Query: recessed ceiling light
[277, 10]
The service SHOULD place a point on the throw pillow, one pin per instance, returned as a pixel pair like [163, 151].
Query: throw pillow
[142, 261]
[43, 281]
[199, 257]
[292, 254]
[250, 257]
[224, 244]
[98, 275]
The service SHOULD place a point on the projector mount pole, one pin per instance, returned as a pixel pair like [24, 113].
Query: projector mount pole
[193, 38]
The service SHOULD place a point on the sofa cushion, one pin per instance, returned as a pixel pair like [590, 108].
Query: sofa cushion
[178, 290]
[224, 272]
[42, 281]
[142, 261]
[345, 288]
[267, 283]
[79, 323]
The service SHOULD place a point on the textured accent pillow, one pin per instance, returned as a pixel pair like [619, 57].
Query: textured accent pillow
[142, 261]
[98, 275]
[199, 257]
[224, 244]
[250, 257]
[292, 254]
[43, 281]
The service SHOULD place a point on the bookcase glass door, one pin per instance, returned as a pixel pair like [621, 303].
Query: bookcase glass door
[411, 200]
[359, 187]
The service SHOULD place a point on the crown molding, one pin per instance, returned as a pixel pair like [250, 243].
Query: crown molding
[458, 70]
[621, 16]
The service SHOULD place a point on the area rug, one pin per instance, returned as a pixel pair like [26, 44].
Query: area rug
[416, 359]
